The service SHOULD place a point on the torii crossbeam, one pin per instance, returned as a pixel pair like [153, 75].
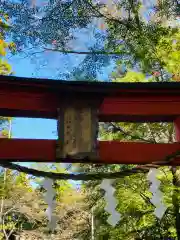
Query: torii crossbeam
[112, 102]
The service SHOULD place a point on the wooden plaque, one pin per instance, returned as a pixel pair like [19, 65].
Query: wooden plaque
[77, 132]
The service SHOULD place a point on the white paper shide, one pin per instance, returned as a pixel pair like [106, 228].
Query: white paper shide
[49, 199]
[111, 202]
[157, 195]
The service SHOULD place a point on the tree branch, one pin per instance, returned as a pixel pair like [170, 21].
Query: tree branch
[3, 223]
[121, 22]
[82, 52]
[120, 129]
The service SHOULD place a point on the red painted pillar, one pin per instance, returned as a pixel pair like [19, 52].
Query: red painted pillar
[177, 129]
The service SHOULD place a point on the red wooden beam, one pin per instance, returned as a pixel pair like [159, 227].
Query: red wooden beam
[141, 102]
[22, 97]
[25, 150]
[140, 109]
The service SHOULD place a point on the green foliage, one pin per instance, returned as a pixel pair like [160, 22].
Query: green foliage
[132, 77]
[143, 44]
[125, 30]
[168, 50]
[5, 68]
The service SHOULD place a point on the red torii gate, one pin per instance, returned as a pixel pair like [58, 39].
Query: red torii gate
[116, 102]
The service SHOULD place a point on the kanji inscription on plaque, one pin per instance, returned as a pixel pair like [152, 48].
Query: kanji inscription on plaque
[77, 132]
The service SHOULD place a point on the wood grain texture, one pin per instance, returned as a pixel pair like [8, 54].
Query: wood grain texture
[77, 132]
